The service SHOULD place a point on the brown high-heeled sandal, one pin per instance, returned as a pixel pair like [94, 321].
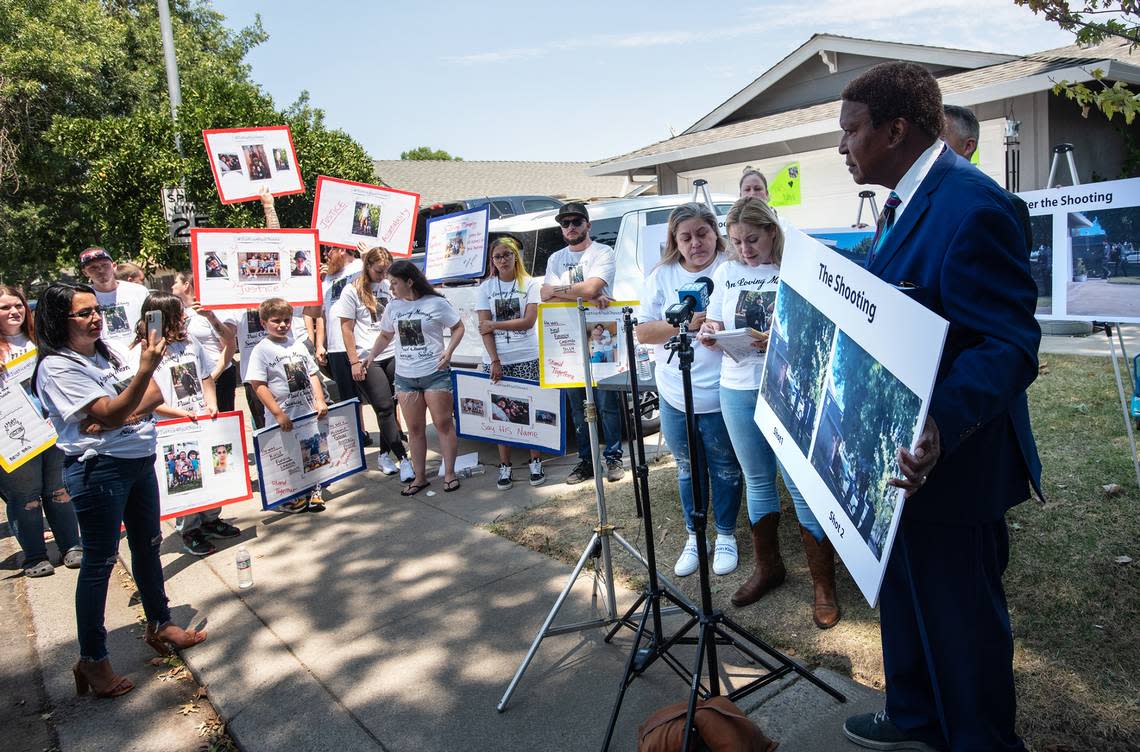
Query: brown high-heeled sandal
[100, 679]
[171, 637]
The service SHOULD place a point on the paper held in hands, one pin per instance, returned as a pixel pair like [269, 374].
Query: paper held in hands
[741, 344]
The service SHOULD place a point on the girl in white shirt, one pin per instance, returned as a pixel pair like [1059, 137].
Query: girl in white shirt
[693, 249]
[744, 295]
[418, 318]
[508, 310]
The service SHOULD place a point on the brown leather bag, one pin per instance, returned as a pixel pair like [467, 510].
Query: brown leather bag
[721, 726]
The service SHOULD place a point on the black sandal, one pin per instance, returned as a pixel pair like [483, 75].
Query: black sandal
[414, 488]
[451, 485]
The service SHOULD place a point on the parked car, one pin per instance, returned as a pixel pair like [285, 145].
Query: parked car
[500, 206]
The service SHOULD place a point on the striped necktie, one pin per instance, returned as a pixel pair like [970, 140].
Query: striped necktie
[884, 225]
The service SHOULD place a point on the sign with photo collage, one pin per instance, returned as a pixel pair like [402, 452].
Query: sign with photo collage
[201, 464]
[244, 160]
[514, 412]
[346, 213]
[241, 268]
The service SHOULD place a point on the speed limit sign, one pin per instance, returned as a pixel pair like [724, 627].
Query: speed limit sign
[180, 214]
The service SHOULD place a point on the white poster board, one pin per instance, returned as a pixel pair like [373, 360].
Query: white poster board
[513, 412]
[241, 268]
[560, 343]
[244, 160]
[847, 379]
[346, 213]
[457, 246]
[201, 464]
[1086, 251]
[289, 463]
[24, 431]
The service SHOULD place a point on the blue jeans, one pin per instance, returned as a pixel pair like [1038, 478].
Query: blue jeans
[30, 492]
[758, 461]
[609, 409]
[108, 492]
[719, 463]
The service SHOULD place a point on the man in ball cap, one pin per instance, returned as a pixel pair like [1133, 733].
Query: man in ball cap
[121, 301]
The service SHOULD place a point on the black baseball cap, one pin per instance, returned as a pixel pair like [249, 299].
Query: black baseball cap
[572, 209]
[93, 254]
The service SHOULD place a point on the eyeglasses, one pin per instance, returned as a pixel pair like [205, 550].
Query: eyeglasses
[87, 313]
[503, 256]
[576, 222]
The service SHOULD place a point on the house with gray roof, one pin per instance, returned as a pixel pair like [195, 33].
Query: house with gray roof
[789, 117]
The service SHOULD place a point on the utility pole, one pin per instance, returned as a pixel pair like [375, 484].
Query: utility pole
[172, 84]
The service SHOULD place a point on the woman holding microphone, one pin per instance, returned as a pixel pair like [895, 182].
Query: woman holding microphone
[693, 249]
[744, 295]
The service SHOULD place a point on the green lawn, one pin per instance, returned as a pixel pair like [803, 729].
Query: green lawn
[1074, 608]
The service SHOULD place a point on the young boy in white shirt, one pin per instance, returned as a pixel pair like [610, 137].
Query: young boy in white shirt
[284, 377]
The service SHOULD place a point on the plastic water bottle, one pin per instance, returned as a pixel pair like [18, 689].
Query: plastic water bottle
[244, 569]
[470, 472]
[644, 370]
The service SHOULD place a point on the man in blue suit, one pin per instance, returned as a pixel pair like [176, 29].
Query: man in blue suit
[948, 237]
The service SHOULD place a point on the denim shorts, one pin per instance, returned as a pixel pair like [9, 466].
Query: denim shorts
[440, 381]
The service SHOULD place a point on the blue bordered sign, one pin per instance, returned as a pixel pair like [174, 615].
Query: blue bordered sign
[514, 412]
[457, 245]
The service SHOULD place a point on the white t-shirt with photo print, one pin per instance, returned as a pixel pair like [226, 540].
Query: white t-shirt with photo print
[505, 301]
[743, 297]
[567, 267]
[122, 308]
[250, 332]
[69, 382]
[285, 367]
[333, 286]
[660, 293]
[179, 374]
[419, 327]
[367, 326]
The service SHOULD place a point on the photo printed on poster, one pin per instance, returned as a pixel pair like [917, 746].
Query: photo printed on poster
[457, 246]
[201, 464]
[346, 213]
[560, 344]
[1085, 255]
[244, 160]
[511, 411]
[849, 371]
[241, 268]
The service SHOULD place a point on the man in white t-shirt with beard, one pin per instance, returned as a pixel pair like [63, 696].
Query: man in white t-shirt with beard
[121, 301]
[585, 269]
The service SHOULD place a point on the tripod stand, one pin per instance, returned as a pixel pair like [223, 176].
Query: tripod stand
[714, 628]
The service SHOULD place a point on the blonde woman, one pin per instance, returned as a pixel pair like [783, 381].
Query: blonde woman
[358, 313]
[753, 184]
[508, 310]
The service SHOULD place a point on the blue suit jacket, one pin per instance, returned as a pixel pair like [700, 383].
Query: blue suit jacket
[959, 250]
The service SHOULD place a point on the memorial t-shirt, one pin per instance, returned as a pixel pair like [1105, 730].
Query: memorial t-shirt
[202, 331]
[69, 382]
[419, 326]
[367, 326]
[285, 367]
[250, 332]
[179, 374]
[567, 267]
[505, 301]
[660, 293]
[743, 297]
[333, 286]
[122, 309]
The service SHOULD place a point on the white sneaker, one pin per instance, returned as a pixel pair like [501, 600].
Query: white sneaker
[385, 464]
[505, 480]
[724, 554]
[688, 562]
[407, 472]
[537, 477]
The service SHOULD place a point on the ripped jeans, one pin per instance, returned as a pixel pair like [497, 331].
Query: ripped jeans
[106, 492]
[718, 466]
[35, 490]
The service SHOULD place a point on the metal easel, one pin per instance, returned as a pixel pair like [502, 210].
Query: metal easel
[864, 197]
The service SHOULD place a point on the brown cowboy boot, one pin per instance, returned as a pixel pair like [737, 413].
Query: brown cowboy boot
[825, 610]
[768, 571]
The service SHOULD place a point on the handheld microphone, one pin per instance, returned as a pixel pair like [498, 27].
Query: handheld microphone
[694, 298]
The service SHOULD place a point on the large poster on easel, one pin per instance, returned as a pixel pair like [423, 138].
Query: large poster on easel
[346, 213]
[560, 345]
[513, 412]
[201, 464]
[1085, 253]
[847, 379]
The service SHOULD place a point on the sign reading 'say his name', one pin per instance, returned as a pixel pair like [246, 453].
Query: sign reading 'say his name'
[241, 268]
[513, 412]
[245, 160]
[847, 379]
[346, 213]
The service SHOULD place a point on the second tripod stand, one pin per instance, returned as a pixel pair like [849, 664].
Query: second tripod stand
[712, 626]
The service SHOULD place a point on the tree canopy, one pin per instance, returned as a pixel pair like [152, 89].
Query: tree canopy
[428, 153]
[87, 142]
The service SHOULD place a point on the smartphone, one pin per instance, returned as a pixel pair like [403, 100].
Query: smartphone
[153, 325]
